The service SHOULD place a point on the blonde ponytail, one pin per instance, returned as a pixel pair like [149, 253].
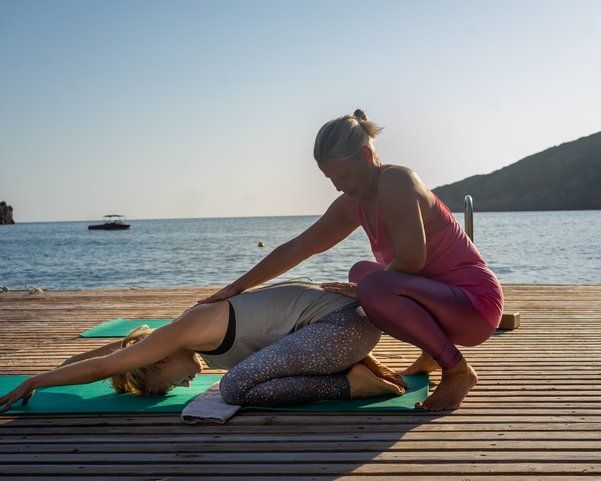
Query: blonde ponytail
[342, 138]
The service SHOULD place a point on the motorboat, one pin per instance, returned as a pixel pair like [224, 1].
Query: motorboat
[111, 222]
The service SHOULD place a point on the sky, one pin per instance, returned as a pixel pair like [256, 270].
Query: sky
[179, 109]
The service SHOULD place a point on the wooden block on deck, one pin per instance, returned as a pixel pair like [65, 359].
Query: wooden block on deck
[510, 321]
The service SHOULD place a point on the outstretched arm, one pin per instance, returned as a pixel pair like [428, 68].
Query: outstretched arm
[158, 345]
[98, 352]
[337, 223]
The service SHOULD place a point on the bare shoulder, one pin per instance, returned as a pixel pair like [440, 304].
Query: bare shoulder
[398, 177]
[404, 183]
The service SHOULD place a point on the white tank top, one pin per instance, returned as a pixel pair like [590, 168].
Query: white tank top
[267, 314]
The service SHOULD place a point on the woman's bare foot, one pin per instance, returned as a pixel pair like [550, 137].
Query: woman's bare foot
[364, 383]
[456, 383]
[424, 364]
[384, 372]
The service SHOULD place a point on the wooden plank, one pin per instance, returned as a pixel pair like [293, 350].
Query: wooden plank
[554, 470]
[294, 446]
[378, 477]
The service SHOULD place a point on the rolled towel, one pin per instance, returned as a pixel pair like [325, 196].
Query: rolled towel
[209, 407]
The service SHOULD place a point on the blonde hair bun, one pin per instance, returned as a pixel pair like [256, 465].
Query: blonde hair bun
[360, 115]
[342, 138]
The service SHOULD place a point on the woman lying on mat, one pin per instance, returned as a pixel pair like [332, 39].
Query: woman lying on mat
[285, 344]
[429, 287]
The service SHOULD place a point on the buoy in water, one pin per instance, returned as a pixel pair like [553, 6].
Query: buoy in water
[260, 244]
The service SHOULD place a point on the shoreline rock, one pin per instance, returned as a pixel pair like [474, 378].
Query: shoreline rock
[6, 214]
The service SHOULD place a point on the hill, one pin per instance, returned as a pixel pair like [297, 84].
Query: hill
[564, 177]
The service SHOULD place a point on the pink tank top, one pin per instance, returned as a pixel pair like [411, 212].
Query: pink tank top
[451, 258]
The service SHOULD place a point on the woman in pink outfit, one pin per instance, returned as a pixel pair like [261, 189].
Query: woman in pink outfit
[429, 285]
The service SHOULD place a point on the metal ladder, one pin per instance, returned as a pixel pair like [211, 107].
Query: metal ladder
[468, 219]
[509, 321]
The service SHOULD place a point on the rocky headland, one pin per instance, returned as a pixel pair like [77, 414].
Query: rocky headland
[6, 213]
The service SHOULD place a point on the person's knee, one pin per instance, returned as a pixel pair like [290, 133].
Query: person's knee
[375, 285]
[230, 389]
[371, 288]
[362, 268]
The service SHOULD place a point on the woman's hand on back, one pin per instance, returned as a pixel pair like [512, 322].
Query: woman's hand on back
[348, 289]
[225, 293]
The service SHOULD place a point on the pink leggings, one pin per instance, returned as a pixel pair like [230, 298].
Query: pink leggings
[431, 315]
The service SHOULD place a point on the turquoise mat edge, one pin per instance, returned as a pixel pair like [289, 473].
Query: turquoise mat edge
[99, 398]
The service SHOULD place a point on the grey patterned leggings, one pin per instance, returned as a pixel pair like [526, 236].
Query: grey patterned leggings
[304, 366]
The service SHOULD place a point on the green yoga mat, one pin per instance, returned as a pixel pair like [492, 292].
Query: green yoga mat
[122, 327]
[417, 391]
[99, 398]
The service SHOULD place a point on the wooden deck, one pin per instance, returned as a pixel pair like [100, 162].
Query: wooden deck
[535, 415]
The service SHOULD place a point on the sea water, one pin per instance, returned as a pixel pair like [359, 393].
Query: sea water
[520, 247]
